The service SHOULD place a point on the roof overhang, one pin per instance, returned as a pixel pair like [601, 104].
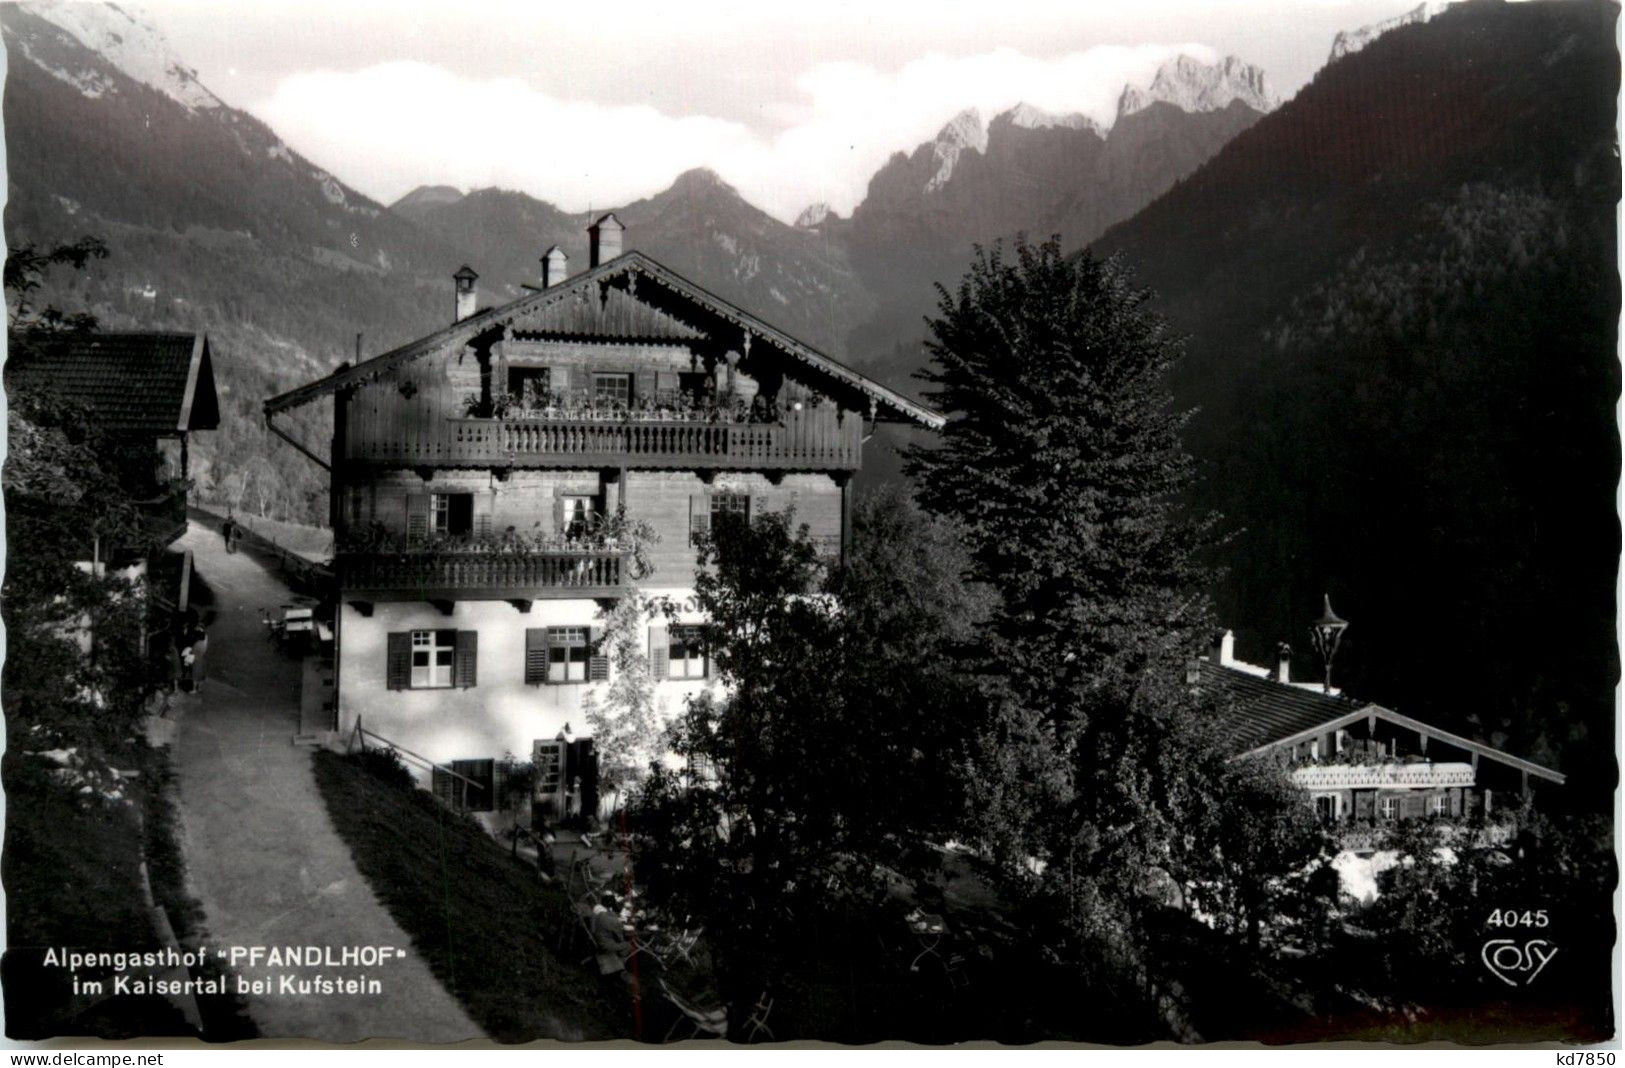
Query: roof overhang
[197, 372]
[1373, 711]
[629, 263]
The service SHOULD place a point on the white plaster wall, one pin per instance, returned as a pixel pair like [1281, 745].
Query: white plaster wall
[500, 714]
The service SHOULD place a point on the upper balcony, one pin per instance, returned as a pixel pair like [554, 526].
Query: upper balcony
[815, 439]
[484, 574]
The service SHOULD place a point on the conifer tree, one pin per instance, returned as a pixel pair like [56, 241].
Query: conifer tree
[1062, 461]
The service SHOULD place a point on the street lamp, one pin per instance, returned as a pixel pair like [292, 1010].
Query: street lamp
[1326, 632]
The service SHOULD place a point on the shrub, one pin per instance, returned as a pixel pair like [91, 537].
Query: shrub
[385, 765]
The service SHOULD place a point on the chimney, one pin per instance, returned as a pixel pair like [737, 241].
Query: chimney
[604, 239]
[555, 266]
[1283, 663]
[466, 296]
[1223, 653]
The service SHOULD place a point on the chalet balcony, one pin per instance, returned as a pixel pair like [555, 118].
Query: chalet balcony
[1390, 774]
[483, 573]
[811, 440]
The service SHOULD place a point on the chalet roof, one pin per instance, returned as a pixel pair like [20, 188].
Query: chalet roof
[618, 315]
[147, 383]
[1266, 714]
[1264, 711]
[631, 266]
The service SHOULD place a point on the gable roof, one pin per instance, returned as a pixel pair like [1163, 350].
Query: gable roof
[619, 315]
[634, 265]
[1266, 714]
[1264, 711]
[145, 383]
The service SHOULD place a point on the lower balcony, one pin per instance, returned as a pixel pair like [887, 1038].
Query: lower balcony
[483, 574]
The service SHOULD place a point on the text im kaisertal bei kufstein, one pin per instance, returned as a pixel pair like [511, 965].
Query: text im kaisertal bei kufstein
[291, 971]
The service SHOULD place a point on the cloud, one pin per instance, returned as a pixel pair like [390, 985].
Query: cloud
[392, 126]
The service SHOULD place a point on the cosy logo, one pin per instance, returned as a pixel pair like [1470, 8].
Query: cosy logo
[1517, 965]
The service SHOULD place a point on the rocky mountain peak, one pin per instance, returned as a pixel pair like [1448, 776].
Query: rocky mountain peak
[125, 40]
[1192, 85]
[964, 131]
[815, 215]
[1350, 41]
[1028, 117]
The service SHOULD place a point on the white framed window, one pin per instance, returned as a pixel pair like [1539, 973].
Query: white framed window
[1439, 805]
[687, 656]
[579, 516]
[612, 389]
[1389, 807]
[451, 513]
[734, 504]
[567, 654]
[434, 652]
[549, 757]
[701, 768]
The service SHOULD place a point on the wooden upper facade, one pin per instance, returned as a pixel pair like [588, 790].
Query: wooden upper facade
[503, 441]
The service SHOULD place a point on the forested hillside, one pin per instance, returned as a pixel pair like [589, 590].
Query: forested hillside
[1401, 295]
[213, 224]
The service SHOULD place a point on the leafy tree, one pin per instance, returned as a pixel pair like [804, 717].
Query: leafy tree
[626, 726]
[75, 668]
[25, 273]
[1267, 858]
[812, 775]
[1454, 888]
[1062, 461]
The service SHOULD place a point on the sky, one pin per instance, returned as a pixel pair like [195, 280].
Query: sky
[585, 106]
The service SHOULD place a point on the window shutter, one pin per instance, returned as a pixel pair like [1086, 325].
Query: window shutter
[558, 513]
[659, 652]
[668, 381]
[417, 517]
[482, 514]
[643, 385]
[704, 632]
[398, 664]
[464, 671]
[699, 517]
[597, 658]
[535, 655]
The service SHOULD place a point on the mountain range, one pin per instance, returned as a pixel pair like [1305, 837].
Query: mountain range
[1399, 290]
[216, 223]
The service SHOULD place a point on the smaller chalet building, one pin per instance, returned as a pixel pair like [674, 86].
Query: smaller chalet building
[148, 391]
[1361, 763]
[477, 477]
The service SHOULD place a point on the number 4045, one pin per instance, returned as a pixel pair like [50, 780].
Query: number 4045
[1514, 918]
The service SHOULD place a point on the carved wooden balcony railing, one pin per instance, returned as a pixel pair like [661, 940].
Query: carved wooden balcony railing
[1335, 776]
[808, 440]
[474, 575]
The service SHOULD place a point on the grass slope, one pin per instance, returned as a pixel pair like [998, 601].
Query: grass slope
[73, 881]
[482, 920]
